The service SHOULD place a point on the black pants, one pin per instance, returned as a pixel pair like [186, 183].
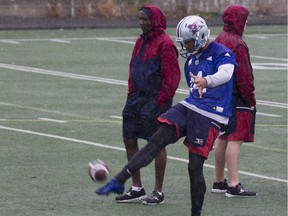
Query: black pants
[165, 135]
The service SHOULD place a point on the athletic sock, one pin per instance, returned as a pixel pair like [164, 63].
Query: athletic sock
[134, 188]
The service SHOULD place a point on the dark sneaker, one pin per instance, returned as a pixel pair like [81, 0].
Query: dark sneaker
[111, 187]
[220, 187]
[239, 191]
[154, 198]
[131, 196]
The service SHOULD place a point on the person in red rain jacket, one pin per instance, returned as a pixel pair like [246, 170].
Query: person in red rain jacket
[241, 125]
[154, 76]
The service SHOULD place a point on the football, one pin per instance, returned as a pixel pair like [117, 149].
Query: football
[98, 170]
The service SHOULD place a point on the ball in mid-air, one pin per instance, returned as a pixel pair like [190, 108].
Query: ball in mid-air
[98, 170]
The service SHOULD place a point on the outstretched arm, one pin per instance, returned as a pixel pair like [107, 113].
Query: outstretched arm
[223, 75]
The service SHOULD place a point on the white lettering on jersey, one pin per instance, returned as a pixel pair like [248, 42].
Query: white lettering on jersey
[209, 58]
[227, 54]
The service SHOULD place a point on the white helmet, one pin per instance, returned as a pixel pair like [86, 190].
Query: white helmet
[192, 28]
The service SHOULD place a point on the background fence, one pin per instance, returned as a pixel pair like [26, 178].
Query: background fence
[25, 11]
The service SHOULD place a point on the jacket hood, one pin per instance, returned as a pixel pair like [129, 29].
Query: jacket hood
[158, 19]
[234, 19]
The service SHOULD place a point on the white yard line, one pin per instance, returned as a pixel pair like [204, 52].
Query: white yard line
[116, 117]
[122, 149]
[270, 115]
[116, 40]
[272, 104]
[52, 120]
[271, 58]
[10, 41]
[270, 66]
[126, 41]
[105, 80]
[59, 40]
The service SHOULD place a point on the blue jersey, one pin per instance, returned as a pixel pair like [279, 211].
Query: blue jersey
[216, 100]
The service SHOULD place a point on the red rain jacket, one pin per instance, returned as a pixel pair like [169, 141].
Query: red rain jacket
[154, 68]
[234, 19]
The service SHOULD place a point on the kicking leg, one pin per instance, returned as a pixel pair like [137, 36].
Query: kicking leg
[165, 135]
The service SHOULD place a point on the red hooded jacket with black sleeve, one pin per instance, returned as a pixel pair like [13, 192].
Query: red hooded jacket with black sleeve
[154, 68]
[234, 19]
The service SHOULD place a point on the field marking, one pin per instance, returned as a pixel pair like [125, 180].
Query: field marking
[256, 65]
[120, 40]
[266, 114]
[105, 80]
[86, 119]
[10, 41]
[271, 58]
[263, 148]
[62, 74]
[116, 40]
[117, 117]
[60, 41]
[272, 104]
[271, 125]
[270, 66]
[52, 120]
[62, 121]
[43, 110]
[122, 149]
[257, 36]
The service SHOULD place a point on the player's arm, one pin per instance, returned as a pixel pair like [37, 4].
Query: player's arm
[223, 75]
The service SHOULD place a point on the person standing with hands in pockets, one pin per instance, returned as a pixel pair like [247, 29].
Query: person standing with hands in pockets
[154, 76]
[241, 125]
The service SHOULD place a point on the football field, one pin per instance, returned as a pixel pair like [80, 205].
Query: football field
[62, 94]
